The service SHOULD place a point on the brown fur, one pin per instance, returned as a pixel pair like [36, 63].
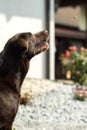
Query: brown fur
[14, 64]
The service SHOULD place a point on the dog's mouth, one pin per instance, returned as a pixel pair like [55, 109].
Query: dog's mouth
[44, 45]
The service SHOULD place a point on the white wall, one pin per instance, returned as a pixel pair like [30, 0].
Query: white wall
[22, 16]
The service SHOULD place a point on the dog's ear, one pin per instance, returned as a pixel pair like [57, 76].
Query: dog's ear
[18, 43]
[21, 46]
[11, 55]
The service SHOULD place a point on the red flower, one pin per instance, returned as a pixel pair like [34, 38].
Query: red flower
[73, 48]
[67, 54]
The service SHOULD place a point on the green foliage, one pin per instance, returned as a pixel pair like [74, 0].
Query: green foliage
[13, 129]
[76, 63]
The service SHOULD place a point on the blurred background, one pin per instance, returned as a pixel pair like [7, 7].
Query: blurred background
[70, 29]
[66, 21]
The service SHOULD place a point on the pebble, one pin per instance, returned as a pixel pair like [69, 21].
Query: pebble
[53, 109]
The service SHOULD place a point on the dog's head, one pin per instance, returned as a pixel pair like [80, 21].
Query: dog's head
[37, 43]
[22, 45]
[28, 43]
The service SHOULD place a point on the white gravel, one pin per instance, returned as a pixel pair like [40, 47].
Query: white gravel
[55, 109]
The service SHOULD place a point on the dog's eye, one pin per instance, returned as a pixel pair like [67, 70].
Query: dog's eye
[44, 40]
[30, 34]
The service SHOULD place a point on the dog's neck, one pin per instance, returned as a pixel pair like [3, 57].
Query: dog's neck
[16, 76]
[20, 72]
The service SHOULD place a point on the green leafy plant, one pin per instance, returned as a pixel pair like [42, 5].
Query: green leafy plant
[75, 64]
[13, 129]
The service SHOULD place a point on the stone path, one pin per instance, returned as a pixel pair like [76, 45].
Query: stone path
[52, 107]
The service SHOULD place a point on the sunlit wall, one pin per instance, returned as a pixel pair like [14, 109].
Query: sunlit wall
[22, 16]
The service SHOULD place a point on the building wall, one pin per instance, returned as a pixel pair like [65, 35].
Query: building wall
[68, 16]
[22, 16]
[73, 16]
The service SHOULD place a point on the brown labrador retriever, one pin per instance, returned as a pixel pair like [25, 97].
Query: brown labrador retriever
[14, 64]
